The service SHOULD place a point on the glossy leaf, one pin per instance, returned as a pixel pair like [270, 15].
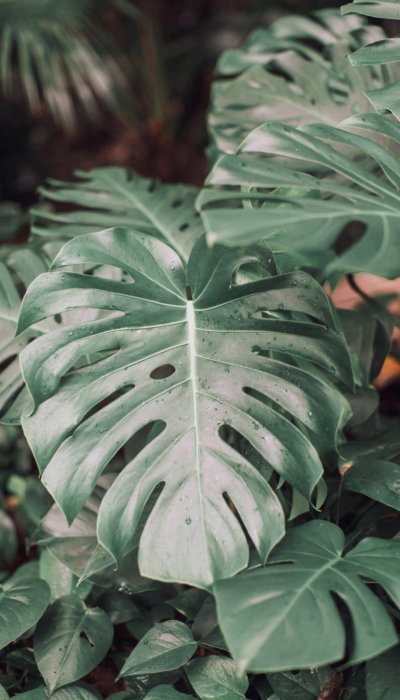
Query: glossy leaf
[107, 197]
[301, 685]
[383, 676]
[191, 535]
[216, 678]
[23, 600]
[293, 592]
[377, 479]
[301, 213]
[70, 641]
[165, 647]
[8, 539]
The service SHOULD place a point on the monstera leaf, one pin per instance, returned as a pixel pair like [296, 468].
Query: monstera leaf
[301, 213]
[201, 361]
[295, 72]
[383, 52]
[17, 270]
[294, 592]
[118, 197]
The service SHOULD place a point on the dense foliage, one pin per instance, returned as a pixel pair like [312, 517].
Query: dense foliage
[217, 514]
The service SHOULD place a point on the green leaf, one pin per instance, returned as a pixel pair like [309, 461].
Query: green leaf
[107, 197]
[160, 359]
[377, 479]
[272, 604]
[17, 270]
[71, 692]
[167, 646]
[167, 692]
[383, 676]
[384, 9]
[299, 213]
[295, 72]
[23, 600]
[8, 539]
[70, 641]
[302, 685]
[60, 578]
[216, 678]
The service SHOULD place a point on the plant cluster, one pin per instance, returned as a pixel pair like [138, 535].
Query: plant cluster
[218, 510]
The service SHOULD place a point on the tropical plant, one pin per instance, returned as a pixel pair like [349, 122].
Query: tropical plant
[218, 509]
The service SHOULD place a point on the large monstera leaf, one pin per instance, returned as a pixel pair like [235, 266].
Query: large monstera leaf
[200, 360]
[380, 52]
[260, 194]
[295, 72]
[262, 611]
[107, 197]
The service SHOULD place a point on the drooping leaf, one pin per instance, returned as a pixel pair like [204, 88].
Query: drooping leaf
[70, 641]
[216, 678]
[377, 479]
[383, 676]
[163, 359]
[107, 197]
[59, 577]
[23, 600]
[301, 213]
[295, 72]
[294, 592]
[165, 647]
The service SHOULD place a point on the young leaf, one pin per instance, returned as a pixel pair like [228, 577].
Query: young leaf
[107, 197]
[165, 647]
[383, 676]
[302, 213]
[293, 593]
[160, 358]
[377, 479]
[23, 600]
[70, 641]
[216, 678]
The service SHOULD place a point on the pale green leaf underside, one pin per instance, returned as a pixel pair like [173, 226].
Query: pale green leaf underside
[231, 355]
[301, 212]
[293, 592]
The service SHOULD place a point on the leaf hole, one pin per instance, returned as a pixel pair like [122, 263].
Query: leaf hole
[83, 635]
[177, 203]
[151, 186]
[351, 234]
[162, 372]
[183, 227]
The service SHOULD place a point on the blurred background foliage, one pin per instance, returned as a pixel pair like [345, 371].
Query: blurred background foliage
[123, 82]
